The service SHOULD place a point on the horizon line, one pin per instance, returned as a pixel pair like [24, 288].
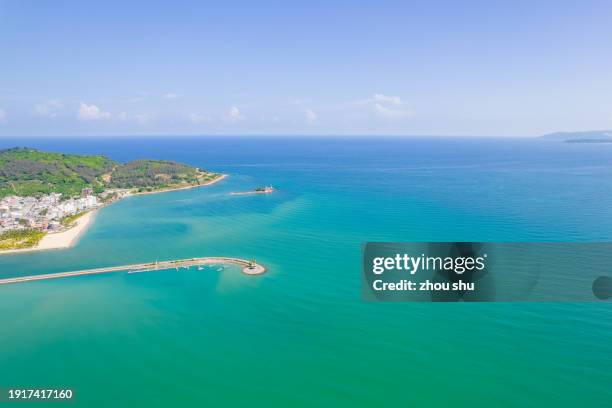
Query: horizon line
[266, 135]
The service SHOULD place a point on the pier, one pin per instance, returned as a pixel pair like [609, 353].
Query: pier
[248, 267]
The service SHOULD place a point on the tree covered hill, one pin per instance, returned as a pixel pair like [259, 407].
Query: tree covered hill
[27, 172]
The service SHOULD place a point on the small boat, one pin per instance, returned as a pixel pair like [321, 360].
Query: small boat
[200, 268]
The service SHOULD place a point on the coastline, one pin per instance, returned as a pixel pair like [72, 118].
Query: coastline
[59, 240]
[190, 186]
[68, 238]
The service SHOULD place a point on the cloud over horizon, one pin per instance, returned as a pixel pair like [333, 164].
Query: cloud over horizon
[395, 100]
[91, 112]
[233, 114]
[390, 107]
[311, 116]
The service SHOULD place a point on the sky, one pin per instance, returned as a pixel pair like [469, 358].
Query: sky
[482, 68]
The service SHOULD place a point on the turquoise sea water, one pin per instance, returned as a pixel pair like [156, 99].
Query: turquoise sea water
[300, 335]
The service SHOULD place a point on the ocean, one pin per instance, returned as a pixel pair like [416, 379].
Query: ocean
[300, 335]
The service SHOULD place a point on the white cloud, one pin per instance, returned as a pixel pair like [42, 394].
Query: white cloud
[380, 98]
[48, 108]
[392, 113]
[233, 115]
[91, 112]
[171, 95]
[390, 107]
[2, 115]
[375, 98]
[311, 116]
[198, 118]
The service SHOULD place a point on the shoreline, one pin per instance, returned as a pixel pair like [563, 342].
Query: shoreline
[190, 186]
[59, 240]
[68, 238]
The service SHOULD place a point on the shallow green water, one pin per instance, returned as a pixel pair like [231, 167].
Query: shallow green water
[300, 334]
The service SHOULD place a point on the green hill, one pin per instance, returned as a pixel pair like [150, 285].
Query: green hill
[27, 172]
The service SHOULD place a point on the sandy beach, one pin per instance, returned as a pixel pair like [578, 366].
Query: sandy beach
[69, 237]
[59, 240]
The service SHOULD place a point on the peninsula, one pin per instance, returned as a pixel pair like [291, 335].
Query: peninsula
[48, 199]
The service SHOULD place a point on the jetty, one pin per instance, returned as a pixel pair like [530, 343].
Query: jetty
[258, 190]
[248, 267]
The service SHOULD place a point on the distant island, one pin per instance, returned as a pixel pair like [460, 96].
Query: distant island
[589, 136]
[47, 199]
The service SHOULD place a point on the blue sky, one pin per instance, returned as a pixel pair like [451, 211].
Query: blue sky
[296, 68]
